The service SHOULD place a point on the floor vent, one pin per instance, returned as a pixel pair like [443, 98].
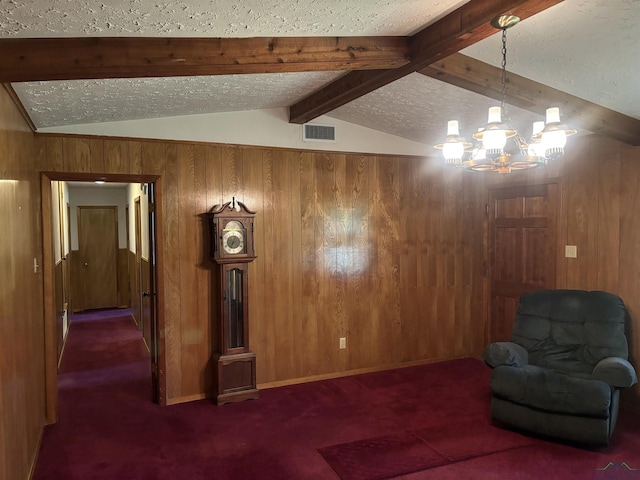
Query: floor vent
[318, 133]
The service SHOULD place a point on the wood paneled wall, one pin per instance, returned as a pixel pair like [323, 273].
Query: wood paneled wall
[599, 213]
[386, 251]
[22, 379]
[380, 250]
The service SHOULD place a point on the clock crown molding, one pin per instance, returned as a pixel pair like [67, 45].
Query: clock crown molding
[228, 209]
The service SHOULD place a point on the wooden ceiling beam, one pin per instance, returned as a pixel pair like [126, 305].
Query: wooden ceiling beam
[459, 29]
[42, 59]
[485, 79]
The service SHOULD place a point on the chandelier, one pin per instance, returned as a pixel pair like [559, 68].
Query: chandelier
[491, 150]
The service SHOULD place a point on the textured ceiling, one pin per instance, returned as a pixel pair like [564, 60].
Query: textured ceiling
[589, 48]
[92, 101]
[195, 18]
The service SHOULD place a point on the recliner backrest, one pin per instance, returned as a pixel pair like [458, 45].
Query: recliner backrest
[570, 330]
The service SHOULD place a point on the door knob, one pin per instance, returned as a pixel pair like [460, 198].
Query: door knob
[146, 294]
[86, 265]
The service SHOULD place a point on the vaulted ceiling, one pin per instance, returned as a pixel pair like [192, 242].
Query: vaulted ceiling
[389, 66]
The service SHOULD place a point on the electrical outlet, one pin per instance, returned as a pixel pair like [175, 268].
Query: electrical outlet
[571, 251]
[343, 342]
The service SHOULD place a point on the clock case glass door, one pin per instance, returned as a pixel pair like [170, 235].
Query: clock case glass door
[234, 308]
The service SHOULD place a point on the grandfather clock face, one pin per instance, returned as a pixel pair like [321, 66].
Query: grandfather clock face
[234, 238]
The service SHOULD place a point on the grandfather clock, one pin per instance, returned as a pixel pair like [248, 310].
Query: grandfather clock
[232, 250]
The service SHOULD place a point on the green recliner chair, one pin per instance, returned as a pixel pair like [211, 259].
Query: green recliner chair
[561, 373]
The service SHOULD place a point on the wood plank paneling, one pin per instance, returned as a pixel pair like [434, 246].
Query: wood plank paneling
[608, 219]
[116, 156]
[308, 261]
[282, 271]
[54, 154]
[22, 378]
[261, 306]
[161, 158]
[629, 257]
[203, 268]
[358, 292]
[192, 334]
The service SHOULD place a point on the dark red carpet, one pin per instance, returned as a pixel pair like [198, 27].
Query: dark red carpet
[424, 422]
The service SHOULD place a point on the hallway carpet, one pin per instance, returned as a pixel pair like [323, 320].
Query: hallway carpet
[108, 429]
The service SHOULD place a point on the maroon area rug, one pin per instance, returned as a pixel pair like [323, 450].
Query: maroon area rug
[412, 451]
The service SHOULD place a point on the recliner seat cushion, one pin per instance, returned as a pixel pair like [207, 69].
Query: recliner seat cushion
[550, 390]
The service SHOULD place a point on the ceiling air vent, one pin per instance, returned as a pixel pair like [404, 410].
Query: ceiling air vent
[318, 133]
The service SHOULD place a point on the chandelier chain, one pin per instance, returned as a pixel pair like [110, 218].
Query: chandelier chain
[519, 140]
[504, 69]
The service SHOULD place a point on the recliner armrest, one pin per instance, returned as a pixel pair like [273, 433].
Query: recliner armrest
[505, 353]
[615, 371]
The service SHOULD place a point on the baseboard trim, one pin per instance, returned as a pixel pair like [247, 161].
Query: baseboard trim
[34, 461]
[325, 376]
[357, 371]
[188, 398]
[64, 344]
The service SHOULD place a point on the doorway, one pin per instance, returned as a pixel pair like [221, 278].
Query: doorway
[156, 323]
[522, 249]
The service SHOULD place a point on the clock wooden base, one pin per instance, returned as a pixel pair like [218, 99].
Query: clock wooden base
[236, 378]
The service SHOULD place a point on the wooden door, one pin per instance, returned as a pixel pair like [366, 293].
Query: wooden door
[522, 249]
[97, 245]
